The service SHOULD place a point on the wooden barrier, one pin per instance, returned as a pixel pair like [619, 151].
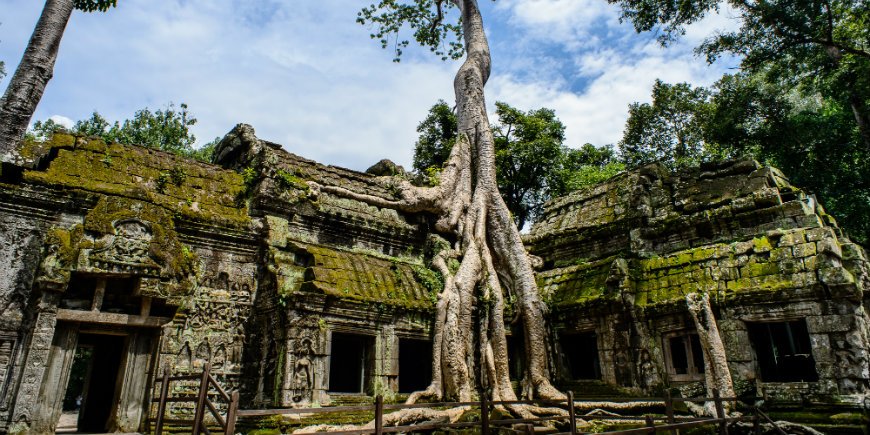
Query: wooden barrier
[670, 423]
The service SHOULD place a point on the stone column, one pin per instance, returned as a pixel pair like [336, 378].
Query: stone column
[49, 402]
[131, 404]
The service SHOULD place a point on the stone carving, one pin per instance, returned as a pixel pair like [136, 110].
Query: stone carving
[54, 272]
[127, 251]
[305, 358]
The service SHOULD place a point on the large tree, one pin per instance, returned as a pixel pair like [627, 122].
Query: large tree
[531, 160]
[27, 85]
[670, 129]
[822, 46]
[486, 243]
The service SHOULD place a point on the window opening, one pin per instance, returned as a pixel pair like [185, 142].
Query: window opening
[581, 353]
[685, 357]
[351, 363]
[783, 351]
[415, 365]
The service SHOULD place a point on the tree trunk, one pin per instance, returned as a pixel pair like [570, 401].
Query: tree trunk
[492, 257]
[33, 73]
[716, 372]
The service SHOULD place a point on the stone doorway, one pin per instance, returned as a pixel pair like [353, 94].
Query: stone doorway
[351, 363]
[92, 390]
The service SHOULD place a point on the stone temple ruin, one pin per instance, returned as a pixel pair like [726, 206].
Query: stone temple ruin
[141, 260]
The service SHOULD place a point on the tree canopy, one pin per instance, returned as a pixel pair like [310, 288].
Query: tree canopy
[167, 130]
[821, 46]
[813, 140]
[532, 163]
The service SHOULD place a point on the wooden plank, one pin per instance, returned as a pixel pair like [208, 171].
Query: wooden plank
[231, 414]
[111, 318]
[284, 411]
[161, 408]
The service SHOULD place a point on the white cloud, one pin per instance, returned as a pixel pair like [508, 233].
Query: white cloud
[62, 120]
[305, 75]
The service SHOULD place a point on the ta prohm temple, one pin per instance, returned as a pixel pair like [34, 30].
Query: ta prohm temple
[143, 261]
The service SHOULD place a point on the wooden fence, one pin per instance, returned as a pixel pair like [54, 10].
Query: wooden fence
[670, 423]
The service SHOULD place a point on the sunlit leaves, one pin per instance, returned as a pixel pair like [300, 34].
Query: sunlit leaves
[428, 21]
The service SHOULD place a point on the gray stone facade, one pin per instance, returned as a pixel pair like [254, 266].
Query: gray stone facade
[152, 263]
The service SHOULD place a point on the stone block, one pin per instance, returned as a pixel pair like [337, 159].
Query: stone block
[804, 250]
[830, 323]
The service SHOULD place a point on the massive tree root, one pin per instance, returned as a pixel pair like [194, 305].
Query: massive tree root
[716, 372]
[492, 258]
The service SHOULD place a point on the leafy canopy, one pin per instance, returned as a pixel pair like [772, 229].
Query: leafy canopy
[813, 140]
[167, 130]
[425, 18]
[532, 163]
[94, 5]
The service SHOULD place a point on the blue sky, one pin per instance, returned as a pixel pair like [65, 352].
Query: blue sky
[305, 75]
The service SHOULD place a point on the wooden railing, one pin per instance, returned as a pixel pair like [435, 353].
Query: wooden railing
[206, 383]
[669, 423]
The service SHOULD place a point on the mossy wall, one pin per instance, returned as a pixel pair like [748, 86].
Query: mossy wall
[628, 251]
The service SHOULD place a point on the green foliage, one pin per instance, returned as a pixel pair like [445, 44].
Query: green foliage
[820, 47]
[167, 130]
[94, 5]
[813, 140]
[529, 159]
[587, 166]
[425, 18]
[532, 163]
[437, 135]
[669, 130]
[43, 130]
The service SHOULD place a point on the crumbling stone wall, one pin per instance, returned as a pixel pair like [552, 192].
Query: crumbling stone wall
[621, 257]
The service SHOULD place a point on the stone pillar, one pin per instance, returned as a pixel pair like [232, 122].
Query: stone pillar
[131, 403]
[49, 403]
[34, 368]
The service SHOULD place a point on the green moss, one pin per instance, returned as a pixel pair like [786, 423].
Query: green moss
[289, 180]
[365, 278]
[186, 188]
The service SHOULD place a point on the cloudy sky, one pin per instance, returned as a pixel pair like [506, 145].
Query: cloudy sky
[305, 75]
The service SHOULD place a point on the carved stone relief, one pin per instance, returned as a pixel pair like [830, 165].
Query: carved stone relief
[305, 359]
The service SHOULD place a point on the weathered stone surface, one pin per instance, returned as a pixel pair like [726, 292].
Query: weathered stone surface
[244, 266]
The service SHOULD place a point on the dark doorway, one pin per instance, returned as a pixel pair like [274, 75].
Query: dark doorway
[350, 362]
[783, 351]
[516, 347]
[415, 364]
[581, 355]
[94, 380]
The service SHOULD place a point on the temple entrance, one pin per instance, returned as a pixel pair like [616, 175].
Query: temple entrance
[581, 355]
[92, 390]
[415, 365]
[351, 362]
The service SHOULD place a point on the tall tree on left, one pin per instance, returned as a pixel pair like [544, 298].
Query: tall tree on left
[36, 69]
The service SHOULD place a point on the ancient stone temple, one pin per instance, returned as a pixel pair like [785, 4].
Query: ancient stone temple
[119, 262]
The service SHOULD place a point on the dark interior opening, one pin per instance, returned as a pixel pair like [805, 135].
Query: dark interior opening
[516, 347]
[581, 355]
[783, 351]
[686, 355]
[94, 380]
[415, 365]
[351, 362]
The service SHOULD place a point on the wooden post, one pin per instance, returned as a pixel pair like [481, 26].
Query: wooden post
[669, 411]
[231, 413]
[161, 405]
[720, 412]
[484, 415]
[650, 423]
[379, 415]
[572, 416]
[756, 421]
[200, 401]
